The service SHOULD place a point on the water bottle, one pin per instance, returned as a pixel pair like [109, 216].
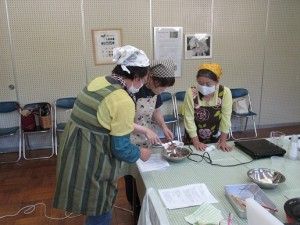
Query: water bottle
[293, 148]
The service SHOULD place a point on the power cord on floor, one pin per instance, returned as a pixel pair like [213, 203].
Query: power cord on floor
[124, 209]
[30, 209]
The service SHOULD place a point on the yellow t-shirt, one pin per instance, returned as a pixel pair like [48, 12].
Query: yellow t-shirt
[116, 111]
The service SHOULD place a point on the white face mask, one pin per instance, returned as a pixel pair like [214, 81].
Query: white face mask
[206, 90]
[133, 90]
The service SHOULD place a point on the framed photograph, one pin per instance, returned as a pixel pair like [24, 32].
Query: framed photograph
[103, 43]
[198, 46]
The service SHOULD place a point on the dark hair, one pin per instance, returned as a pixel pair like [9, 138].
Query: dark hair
[207, 73]
[135, 71]
[163, 81]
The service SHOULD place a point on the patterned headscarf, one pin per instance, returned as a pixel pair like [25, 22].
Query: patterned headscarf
[130, 56]
[214, 67]
[162, 68]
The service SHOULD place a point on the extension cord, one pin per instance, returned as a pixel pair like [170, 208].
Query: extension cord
[30, 209]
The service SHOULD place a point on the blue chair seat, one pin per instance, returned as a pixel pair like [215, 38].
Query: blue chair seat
[8, 131]
[170, 119]
[249, 114]
[10, 117]
[60, 126]
[62, 111]
[243, 93]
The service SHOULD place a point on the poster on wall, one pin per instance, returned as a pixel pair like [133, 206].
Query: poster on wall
[168, 45]
[198, 46]
[103, 42]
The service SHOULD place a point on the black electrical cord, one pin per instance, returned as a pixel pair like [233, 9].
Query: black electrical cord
[206, 157]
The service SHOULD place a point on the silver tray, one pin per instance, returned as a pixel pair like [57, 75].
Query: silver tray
[238, 193]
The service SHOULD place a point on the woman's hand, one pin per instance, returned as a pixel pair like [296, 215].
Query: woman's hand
[198, 145]
[222, 143]
[168, 134]
[224, 147]
[152, 137]
[145, 154]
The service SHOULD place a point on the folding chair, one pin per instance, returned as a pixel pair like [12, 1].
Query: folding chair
[238, 93]
[44, 132]
[170, 116]
[62, 110]
[178, 100]
[10, 126]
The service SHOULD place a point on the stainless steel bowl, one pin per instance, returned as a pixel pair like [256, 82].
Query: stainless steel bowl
[266, 178]
[176, 155]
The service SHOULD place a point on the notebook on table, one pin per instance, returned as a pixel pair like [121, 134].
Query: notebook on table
[260, 148]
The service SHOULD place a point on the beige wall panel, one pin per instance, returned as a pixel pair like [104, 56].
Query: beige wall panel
[7, 79]
[4, 34]
[48, 52]
[238, 44]
[131, 16]
[280, 99]
[6, 66]
[195, 17]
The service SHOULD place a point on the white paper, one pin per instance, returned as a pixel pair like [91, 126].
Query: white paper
[185, 196]
[168, 45]
[155, 162]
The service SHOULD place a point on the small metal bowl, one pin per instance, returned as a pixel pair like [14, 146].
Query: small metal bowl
[265, 178]
[176, 155]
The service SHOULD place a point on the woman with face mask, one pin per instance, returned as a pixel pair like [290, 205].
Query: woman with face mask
[148, 103]
[97, 138]
[207, 109]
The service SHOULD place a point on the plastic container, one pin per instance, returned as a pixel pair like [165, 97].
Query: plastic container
[293, 148]
[238, 193]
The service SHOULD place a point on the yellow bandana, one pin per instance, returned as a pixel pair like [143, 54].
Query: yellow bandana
[214, 67]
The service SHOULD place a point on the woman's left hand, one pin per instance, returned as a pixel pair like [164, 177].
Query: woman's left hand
[152, 137]
[224, 147]
[168, 134]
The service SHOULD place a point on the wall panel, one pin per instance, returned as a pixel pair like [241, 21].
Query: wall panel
[47, 48]
[6, 63]
[281, 80]
[131, 16]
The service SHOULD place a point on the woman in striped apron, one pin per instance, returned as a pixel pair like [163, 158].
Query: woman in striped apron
[97, 138]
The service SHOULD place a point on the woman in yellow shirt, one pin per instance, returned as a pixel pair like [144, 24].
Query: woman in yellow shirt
[97, 138]
[207, 109]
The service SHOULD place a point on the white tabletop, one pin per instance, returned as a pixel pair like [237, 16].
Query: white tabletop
[216, 177]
